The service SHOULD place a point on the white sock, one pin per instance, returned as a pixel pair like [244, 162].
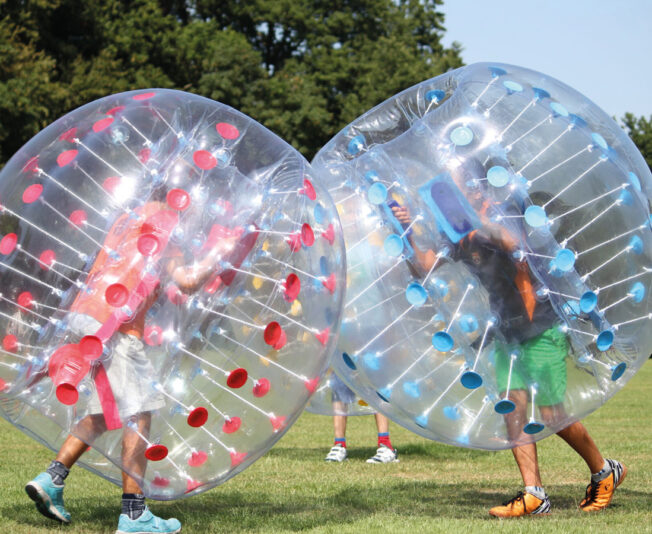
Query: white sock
[537, 491]
[602, 474]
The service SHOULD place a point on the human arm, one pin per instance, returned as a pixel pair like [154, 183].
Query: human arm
[190, 276]
[425, 258]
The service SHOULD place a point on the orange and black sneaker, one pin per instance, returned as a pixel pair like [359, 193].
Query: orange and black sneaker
[523, 504]
[599, 494]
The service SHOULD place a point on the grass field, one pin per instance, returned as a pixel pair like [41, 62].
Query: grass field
[435, 488]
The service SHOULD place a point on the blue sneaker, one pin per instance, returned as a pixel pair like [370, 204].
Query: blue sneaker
[48, 497]
[146, 524]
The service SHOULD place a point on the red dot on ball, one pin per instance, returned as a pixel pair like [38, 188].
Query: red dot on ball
[309, 190]
[111, 183]
[307, 235]
[237, 378]
[156, 453]
[67, 394]
[116, 295]
[153, 335]
[261, 388]
[25, 299]
[272, 333]
[47, 259]
[204, 159]
[32, 193]
[197, 458]
[68, 135]
[178, 199]
[91, 347]
[292, 287]
[8, 243]
[10, 343]
[148, 244]
[115, 110]
[198, 417]
[144, 96]
[66, 157]
[231, 425]
[102, 124]
[226, 130]
[144, 155]
[78, 217]
[31, 165]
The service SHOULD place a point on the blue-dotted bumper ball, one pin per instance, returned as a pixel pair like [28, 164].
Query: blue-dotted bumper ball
[497, 227]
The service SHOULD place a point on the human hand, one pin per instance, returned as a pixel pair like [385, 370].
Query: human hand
[402, 214]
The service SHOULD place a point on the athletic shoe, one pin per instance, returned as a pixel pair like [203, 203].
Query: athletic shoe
[336, 454]
[146, 524]
[384, 455]
[599, 494]
[48, 497]
[523, 504]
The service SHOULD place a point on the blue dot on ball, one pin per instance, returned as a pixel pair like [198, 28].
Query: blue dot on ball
[618, 371]
[588, 301]
[452, 413]
[416, 294]
[504, 406]
[348, 361]
[565, 259]
[637, 291]
[536, 216]
[393, 245]
[411, 389]
[498, 176]
[605, 340]
[356, 145]
[377, 194]
[442, 341]
[461, 136]
[468, 323]
[471, 380]
[533, 428]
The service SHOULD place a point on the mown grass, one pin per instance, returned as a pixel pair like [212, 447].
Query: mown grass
[435, 488]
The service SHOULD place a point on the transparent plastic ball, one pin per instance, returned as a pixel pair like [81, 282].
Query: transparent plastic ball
[171, 280]
[334, 397]
[497, 226]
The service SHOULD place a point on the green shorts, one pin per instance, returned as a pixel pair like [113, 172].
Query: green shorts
[541, 362]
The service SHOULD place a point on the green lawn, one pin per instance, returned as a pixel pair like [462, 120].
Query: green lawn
[435, 488]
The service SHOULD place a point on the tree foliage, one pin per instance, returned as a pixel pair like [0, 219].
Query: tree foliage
[640, 130]
[303, 68]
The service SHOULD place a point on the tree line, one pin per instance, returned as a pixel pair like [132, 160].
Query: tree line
[303, 68]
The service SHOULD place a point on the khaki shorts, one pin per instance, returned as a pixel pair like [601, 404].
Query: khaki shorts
[130, 372]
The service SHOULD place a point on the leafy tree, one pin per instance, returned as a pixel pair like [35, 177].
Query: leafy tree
[329, 61]
[640, 130]
[304, 68]
[27, 91]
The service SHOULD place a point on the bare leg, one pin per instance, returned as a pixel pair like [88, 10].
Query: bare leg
[339, 425]
[134, 461]
[577, 436]
[525, 455]
[88, 428]
[382, 423]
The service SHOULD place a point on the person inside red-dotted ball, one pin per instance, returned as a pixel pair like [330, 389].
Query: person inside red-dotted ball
[122, 285]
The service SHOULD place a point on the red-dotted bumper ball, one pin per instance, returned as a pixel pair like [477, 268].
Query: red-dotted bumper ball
[170, 273]
[499, 256]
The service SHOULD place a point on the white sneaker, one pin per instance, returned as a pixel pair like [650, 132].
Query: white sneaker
[336, 454]
[384, 455]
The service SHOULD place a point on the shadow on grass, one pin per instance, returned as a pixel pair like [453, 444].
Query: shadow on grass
[425, 451]
[242, 511]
